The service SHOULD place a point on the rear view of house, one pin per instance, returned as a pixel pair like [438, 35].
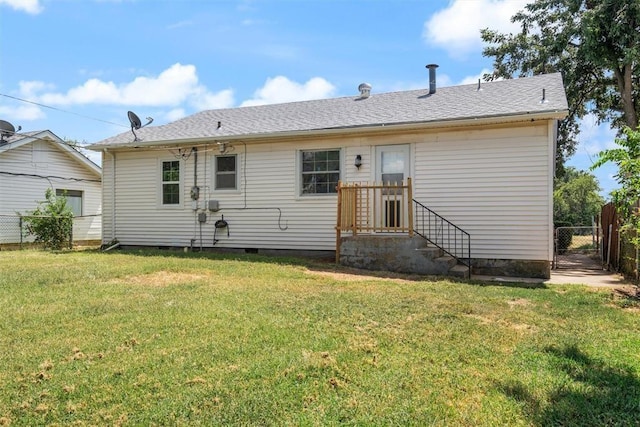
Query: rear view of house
[31, 163]
[266, 177]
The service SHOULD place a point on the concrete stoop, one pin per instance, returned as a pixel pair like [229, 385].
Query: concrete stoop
[400, 254]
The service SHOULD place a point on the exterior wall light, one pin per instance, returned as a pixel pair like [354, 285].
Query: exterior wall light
[358, 161]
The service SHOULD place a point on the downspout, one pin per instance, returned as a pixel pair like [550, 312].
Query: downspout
[113, 193]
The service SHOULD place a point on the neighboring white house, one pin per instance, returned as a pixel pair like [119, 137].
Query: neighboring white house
[481, 156]
[31, 163]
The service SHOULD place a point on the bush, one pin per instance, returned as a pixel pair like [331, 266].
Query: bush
[51, 222]
[565, 236]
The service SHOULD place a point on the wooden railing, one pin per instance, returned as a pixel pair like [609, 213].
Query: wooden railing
[390, 208]
[374, 208]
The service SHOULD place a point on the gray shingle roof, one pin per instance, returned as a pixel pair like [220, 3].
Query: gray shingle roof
[496, 99]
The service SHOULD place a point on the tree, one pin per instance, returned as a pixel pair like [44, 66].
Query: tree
[51, 222]
[595, 44]
[627, 197]
[576, 198]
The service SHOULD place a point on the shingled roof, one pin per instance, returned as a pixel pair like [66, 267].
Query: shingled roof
[499, 100]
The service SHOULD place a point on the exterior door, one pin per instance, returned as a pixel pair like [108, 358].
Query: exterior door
[392, 167]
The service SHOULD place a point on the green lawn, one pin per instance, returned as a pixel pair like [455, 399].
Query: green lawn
[167, 338]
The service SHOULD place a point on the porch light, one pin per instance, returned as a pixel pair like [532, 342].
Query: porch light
[358, 161]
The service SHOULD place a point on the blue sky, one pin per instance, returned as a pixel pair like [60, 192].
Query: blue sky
[93, 60]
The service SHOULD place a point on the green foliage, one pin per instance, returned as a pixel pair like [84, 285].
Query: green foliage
[627, 197]
[564, 240]
[593, 43]
[51, 222]
[576, 198]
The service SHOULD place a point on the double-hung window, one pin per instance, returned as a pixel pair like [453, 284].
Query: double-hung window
[171, 183]
[73, 198]
[226, 172]
[320, 171]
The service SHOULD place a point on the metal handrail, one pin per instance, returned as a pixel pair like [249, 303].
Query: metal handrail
[442, 233]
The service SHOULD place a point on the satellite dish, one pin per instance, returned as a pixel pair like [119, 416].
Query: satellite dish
[7, 129]
[137, 124]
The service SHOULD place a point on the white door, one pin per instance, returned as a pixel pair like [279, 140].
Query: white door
[393, 167]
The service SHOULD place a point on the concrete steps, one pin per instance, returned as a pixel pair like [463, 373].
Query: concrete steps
[412, 255]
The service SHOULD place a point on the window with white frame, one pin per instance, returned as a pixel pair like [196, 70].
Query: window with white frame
[320, 171]
[73, 198]
[226, 172]
[171, 182]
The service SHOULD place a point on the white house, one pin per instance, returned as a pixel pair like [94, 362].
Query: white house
[482, 156]
[31, 163]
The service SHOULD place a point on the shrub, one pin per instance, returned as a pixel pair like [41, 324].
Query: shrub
[565, 236]
[51, 222]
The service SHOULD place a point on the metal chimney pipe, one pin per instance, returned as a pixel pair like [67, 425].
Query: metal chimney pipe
[432, 78]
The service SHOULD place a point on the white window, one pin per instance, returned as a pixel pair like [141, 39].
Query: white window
[226, 172]
[74, 200]
[320, 171]
[171, 183]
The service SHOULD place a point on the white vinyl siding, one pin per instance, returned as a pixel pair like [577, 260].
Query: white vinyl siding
[492, 182]
[29, 170]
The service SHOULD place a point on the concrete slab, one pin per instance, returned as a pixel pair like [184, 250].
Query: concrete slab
[580, 269]
[602, 279]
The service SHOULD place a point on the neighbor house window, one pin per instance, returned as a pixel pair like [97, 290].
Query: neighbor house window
[74, 200]
[226, 168]
[171, 182]
[320, 171]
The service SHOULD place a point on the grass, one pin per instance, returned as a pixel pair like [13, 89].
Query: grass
[166, 338]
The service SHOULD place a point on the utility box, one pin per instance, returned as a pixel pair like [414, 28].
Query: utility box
[202, 217]
[213, 205]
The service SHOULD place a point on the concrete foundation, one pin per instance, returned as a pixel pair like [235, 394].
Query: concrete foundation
[399, 254]
[511, 268]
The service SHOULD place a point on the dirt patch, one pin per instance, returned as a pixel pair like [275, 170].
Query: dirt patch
[520, 302]
[356, 276]
[161, 279]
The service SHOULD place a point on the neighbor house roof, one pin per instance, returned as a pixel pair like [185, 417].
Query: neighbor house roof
[23, 138]
[498, 101]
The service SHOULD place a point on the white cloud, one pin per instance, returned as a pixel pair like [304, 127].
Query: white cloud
[474, 79]
[171, 88]
[456, 29]
[21, 112]
[180, 24]
[29, 89]
[175, 114]
[281, 89]
[202, 99]
[593, 137]
[30, 6]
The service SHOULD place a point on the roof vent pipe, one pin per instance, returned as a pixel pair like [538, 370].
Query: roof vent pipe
[365, 90]
[432, 78]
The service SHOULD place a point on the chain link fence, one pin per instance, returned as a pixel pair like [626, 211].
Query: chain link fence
[14, 233]
[577, 247]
